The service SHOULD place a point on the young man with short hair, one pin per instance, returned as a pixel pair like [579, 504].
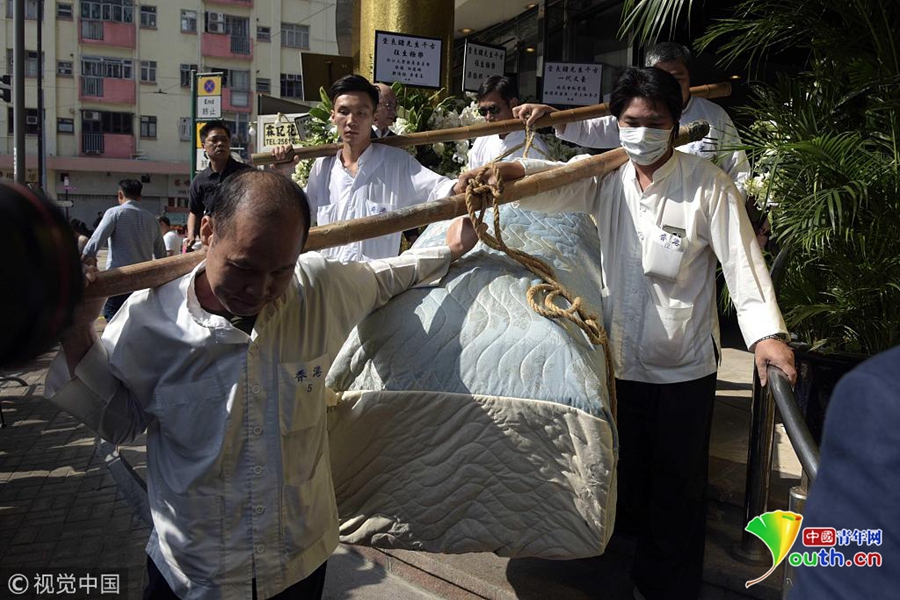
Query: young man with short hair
[364, 179]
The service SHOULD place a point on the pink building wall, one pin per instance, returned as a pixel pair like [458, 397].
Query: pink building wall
[218, 45]
[115, 91]
[118, 35]
[118, 145]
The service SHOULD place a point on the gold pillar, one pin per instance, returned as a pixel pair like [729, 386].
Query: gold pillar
[429, 18]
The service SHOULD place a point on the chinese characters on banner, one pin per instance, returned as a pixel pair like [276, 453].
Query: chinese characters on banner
[572, 83]
[409, 59]
[480, 62]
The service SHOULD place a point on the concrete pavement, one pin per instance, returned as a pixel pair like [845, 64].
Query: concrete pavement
[61, 509]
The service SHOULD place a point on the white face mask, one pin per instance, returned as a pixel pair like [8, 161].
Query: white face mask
[644, 145]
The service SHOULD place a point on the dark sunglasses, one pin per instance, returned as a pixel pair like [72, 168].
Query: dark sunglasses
[484, 111]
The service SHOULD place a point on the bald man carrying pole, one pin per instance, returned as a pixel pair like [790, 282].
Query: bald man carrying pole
[232, 393]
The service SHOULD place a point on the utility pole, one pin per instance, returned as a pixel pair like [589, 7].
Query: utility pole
[42, 174]
[19, 91]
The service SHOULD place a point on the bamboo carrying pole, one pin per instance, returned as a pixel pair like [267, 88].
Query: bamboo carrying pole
[713, 90]
[157, 272]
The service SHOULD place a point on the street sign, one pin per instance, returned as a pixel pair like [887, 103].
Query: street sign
[64, 203]
[209, 107]
[202, 159]
[209, 85]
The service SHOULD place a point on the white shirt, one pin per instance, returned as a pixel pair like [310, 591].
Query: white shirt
[663, 331]
[387, 179]
[486, 149]
[238, 471]
[172, 241]
[603, 132]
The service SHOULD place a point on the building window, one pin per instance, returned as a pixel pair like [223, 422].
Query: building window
[148, 71]
[120, 123]
[32, 64]
[184, 129]
[188, 21]
[263, 85]
[32, 123]
[119, 11]
[148, 17]
[31, 9]
[294, 36]
[148, 127]
[291, 86]
[64, 68]
[240, 80]
[117, 68]
[65, 125]
[186, 74]
[240, 87]
[64, 11]
[263, 34]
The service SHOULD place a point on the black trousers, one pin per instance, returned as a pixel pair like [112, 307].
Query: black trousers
[662, 480]
[310, 588]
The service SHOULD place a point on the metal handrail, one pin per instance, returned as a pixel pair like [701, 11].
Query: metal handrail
[798, 433]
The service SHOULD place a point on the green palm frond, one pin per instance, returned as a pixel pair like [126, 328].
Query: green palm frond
[649, 18]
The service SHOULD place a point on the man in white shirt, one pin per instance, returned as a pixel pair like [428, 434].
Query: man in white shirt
[664, 218]
[497, 97]
[721, 145]
[364, 179]
[225, 369]
[170, 238]
[385, 112]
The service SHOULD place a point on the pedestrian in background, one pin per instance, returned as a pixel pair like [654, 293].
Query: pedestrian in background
[133, 235]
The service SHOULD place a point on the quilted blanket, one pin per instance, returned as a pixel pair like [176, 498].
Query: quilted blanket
[468, 423]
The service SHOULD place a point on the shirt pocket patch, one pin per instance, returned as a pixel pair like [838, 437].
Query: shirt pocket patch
[302, 393]
[376, 208]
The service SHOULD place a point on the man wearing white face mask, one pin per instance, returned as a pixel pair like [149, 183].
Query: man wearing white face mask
[664, 218]
[721, 145]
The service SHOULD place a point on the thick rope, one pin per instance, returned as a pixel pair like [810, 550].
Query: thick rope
[478, 191]
[527, 145]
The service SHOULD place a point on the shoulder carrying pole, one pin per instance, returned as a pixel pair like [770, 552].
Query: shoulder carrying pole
[157, 272]
[713, 90]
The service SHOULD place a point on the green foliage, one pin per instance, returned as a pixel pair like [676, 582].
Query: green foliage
[824, 145]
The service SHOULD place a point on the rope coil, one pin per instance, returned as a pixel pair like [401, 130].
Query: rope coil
[478, 191]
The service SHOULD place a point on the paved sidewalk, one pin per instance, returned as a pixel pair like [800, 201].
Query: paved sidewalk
[60, 508]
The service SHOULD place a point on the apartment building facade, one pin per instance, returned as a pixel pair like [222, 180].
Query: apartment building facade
[116, 84]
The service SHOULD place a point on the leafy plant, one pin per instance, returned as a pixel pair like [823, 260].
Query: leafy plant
[824, 145]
